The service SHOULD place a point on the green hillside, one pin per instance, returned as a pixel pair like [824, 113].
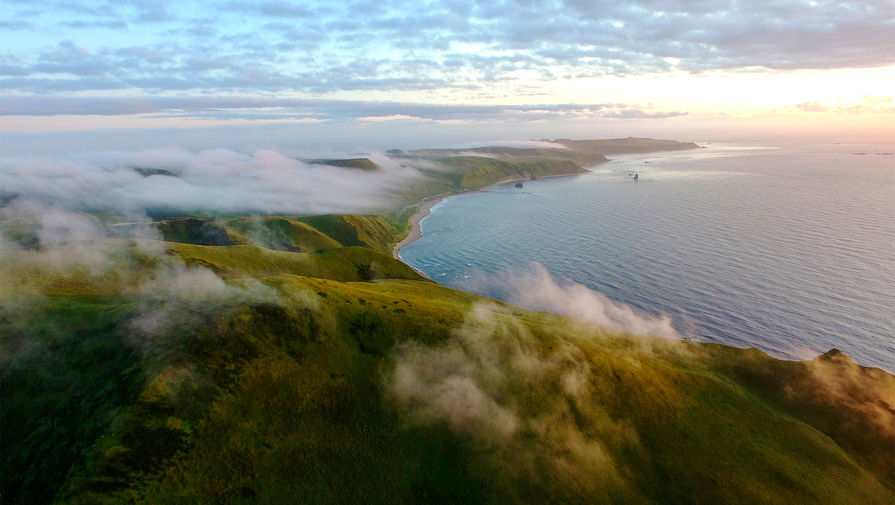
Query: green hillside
[480, 167]
[285, 233]
[242, 374]
[193, 230]
[282, 233]
[291, 359]
[347, 263]
[474, 172]
[374, 232]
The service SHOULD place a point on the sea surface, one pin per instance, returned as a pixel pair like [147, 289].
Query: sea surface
[791, 250]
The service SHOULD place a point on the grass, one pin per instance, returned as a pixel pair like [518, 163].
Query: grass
[71, 373]
[282, 233]
[347, 263]
[374, 232]
[295, 390]
[266, 402]
[285, 233]
[475, 172]
[192, 230]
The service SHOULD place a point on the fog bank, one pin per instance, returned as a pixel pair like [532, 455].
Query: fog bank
[207, 180]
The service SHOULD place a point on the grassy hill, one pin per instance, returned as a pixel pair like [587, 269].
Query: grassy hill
[291, 359]
[474, 172]
[281, 233]
[479, 167]
[451, 171]
[345, 263]
[285, 233]
[243, 374]
[194, 230]
[375, 232]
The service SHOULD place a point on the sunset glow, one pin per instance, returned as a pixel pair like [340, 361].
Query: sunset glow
[93, 65]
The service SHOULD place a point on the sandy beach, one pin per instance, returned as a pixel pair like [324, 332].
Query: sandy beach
[424, 208]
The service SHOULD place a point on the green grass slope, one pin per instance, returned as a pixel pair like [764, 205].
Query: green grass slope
[194, 230]
[476, 168]
[475, 172]
[346, 264]
[281, 386]
[374, 232]
[285, 233]
[282, 233]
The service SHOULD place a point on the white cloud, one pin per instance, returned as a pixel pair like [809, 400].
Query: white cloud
[440, 46]
[532, 412]
[533, 288]
[216, 179]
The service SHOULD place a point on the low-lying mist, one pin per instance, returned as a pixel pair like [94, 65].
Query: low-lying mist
[534, 288]
[211, 180]
[532, 410]
[47, 251]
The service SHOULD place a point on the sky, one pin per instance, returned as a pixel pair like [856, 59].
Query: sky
[353, 74]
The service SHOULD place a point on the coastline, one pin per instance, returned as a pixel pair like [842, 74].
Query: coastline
[424, 208]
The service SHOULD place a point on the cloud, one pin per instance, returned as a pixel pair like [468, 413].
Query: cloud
[43, 238]
[531, 410]
[533, 288]
[836, 379]
[46, 244]
[271, 8]
[270, 108]
[176, 297]
[392, 117]
[48, 250]
[868, 104]
[216, 179]
[444, 45]
[811, 107]
[14, 24]
[111, 24]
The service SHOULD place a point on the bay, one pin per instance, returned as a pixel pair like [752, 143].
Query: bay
[788, 249]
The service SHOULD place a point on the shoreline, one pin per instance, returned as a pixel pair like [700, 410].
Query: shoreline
[424, 208]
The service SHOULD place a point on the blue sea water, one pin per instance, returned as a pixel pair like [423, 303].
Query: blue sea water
[791, 250]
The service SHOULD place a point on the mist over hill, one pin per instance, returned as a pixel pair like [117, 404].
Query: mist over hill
[260, 351]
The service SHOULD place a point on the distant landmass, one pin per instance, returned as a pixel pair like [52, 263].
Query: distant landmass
[626, 145]
[292, 359]
[359, 163]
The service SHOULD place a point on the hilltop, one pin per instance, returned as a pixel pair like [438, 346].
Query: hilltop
[290, 359]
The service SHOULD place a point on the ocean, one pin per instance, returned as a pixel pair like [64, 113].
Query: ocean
[787, 249]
